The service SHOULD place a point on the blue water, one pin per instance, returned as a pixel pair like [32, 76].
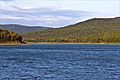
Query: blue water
[60, 62]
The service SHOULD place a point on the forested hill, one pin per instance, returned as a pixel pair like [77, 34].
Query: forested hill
[7, 36]
[21, 28]
[96, 30]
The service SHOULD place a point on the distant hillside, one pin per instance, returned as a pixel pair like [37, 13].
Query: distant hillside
[97, 30]
[21, 28]
[9, 36]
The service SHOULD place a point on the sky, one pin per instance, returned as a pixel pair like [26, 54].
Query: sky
[56, 13]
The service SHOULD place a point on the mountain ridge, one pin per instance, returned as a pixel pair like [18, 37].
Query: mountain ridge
[96, 30]
[21, 28]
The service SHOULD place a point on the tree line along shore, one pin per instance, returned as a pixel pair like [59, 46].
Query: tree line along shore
[96, 30]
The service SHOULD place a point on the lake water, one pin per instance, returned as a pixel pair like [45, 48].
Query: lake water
[60, 62]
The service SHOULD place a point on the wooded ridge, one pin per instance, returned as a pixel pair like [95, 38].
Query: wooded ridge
[96, 30]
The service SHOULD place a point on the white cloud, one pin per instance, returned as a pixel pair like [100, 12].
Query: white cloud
[7, 0]
[9, 17]
[56, 12]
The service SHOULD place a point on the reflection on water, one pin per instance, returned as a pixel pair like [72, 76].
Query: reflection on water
[60, 62]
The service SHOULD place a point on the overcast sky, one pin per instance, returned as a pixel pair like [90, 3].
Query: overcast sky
[55, 13]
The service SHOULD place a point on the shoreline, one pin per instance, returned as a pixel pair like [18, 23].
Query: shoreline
[65, 43]
[11, 43]
[30, 43]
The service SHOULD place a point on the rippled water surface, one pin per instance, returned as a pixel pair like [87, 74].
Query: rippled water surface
[60, 62]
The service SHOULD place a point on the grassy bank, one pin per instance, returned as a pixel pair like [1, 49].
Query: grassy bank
[19, 43]
[11, 43]
[66, 43]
